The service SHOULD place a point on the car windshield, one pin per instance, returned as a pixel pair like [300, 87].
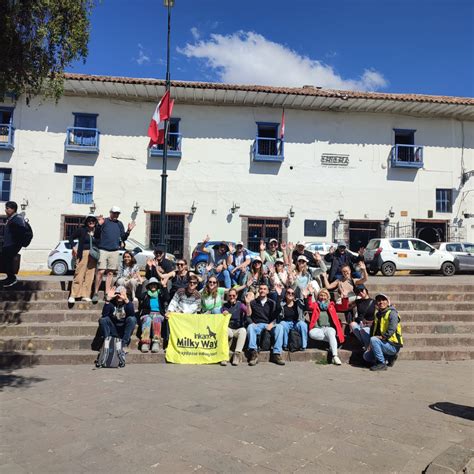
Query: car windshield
[469, 247]
[373, 244]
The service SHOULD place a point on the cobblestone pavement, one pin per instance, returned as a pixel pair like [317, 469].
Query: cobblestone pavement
[303, 417]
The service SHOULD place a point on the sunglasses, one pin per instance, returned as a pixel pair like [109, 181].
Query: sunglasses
[257, 263]
[290, 293]
[180, 264]
[193, 282]
[212, 282]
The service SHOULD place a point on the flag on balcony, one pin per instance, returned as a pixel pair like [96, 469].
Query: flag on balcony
[156, 129]
[282, 129]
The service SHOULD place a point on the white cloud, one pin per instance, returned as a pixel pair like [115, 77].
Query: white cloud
[195, 33]
[249, 58]
[142, 57]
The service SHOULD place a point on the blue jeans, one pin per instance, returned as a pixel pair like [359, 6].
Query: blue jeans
[124, 331]
[224, 276]
[362, 333]
[378, 350]
[300, 326]
[253, 330]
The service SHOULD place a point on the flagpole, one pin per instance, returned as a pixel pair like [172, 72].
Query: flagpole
[164, 175]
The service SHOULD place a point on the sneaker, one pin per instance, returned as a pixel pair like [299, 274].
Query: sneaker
[278, 360]
[135, 300]
[71, 300]
[95, 298]
[9, 282]
[155, 347]
[336, 360]
[378, 366]
[236, 358]
[391, 361]
[253, 358]
[145, 348]
[87, 300]
[223, 363]
[285, 348]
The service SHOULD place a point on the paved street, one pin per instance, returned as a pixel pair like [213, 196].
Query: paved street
[303, 417]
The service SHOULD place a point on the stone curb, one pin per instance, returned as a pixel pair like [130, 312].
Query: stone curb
[454, 460]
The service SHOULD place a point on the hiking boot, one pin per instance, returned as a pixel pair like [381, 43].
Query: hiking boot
[253, 358]
[236, 358]
[379, 366]
[223, 363]
[155, 347]
[9, 282]
[95, 298]
[71, 300]
[391, 360]
[336, 360]
[145, 348]
[278, 360]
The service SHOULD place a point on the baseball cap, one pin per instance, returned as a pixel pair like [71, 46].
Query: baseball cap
[257, 259]
[302, 257]
[273, 240]
[115, 209]
[359, 288]
[119, 289]
[381, 296]
[301, 242]
[159, 249]
[239, 243]
[279, 260]
[341, 243]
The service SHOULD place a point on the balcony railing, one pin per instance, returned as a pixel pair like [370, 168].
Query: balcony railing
[174, 146]
[7, 136]
[82, 197]
[268, 149]
[83, 140]
[407, 156]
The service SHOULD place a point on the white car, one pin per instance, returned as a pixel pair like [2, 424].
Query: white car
[462, 251]
[321, 247]
[61, 262]
[390, 255]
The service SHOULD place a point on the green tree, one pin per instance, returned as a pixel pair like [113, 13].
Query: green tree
[39, 39]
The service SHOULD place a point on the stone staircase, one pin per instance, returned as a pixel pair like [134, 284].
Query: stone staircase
[37, 326]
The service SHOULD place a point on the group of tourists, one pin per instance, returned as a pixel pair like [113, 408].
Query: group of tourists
[284, 294]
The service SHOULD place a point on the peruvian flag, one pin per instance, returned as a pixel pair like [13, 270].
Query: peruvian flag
[282, 129]
[156, 129]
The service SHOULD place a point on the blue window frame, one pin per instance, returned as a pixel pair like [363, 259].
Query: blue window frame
[7, 130]
[5, 183]
[405, 153]
[174, 141]
[85, 120]
[83, 190]
[83, 137]
[267, 145]
[444, 200]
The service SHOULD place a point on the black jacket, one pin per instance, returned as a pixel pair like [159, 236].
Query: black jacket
[83, 240]
[144, 305]
[14, 231]
[338, 260]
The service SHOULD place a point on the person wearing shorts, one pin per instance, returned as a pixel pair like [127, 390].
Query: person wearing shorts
[110, 234]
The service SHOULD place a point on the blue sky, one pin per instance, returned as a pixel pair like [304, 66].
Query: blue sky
[419, 46]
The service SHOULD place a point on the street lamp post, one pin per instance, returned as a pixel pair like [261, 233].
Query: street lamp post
[164, 176]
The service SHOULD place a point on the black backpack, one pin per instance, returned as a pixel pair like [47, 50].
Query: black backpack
[294, 340]
[265, 340]
[27, 235]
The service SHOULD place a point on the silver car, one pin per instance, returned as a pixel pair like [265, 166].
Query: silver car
[462, 251]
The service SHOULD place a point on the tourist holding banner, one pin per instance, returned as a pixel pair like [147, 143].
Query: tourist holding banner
[186, 300]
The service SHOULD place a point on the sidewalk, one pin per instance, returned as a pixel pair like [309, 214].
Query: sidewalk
[298, 418]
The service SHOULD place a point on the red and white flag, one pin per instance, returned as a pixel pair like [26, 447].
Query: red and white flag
[156, 129]
[282, 129]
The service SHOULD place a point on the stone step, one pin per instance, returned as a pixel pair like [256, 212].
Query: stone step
[448, 327]
[437, 316]
[437, 340]
[17, 359]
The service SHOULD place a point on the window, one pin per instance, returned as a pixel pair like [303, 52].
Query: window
[84, 136]
[60, 168]
[400, 244]
[405, 139]
[83, 189]
[469, 248]
[5, 183]
[174, 234]
[6, 121]
[173, 136]
[263, 229]
[421, 246]
[267, 136]
[315, 228]
[454, 247]
[85, 120]
[373, 244]
[444, 200]
[71, 223]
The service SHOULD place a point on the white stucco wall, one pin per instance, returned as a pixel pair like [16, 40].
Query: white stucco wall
[216, 168]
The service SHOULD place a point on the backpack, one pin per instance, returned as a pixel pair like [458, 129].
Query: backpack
[294, 340]
[111, 355]
[265, 340]
[27, 235]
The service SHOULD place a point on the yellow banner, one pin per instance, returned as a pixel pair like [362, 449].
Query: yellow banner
[198, 338]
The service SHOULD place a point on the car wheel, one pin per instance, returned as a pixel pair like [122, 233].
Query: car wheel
[59, 267]
[448, 269]
[388, 269]
[201, 268]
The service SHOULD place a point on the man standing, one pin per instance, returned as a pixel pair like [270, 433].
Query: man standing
[385, 335]
[15, 229]
[110, 234]
[261, 315]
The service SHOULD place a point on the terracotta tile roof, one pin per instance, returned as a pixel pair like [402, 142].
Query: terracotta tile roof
[306, 90]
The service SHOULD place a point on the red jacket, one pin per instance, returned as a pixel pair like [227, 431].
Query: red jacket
[332, 311]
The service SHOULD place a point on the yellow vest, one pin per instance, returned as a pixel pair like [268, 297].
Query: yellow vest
[381, 326]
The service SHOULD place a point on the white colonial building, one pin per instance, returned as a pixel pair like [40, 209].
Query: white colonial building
[351, 165]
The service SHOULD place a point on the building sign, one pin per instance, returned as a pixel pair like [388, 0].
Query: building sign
[334, 161]
[315, 228]
[403, 213]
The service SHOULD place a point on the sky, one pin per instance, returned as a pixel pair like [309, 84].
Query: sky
[400, 46]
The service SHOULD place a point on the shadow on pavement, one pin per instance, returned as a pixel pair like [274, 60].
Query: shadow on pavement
[11, 380]
[453, 409]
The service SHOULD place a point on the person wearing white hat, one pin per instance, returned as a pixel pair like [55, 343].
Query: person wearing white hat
[238, 262]
[110, 233]
[255, 276]
[303, 276]
[271, 254]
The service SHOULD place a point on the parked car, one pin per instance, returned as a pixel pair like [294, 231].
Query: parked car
[199, 259]
[321, 247]
[61, 262]
[390, 255]
[462, 251]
